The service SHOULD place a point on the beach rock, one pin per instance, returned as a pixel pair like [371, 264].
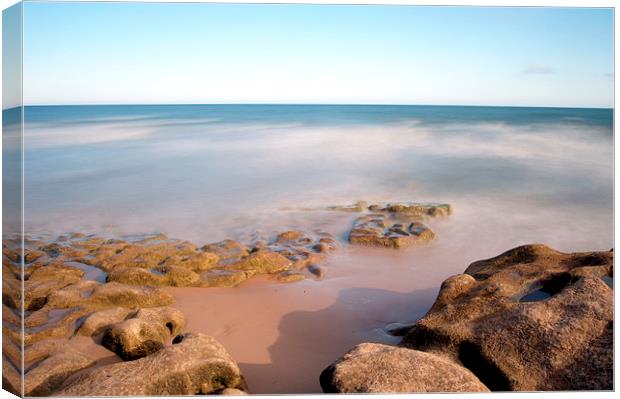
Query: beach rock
[198, 262]
[174, 276]
[11, 348]
[11, 286]
[56, 250]
[98, 322]
[137, 276]
[289, 236]
[377, 230]
[263, 262]
[64, 327]
[288, 276]
[321, 247]
[94, 296]
[43, 349]
[421, 209]
[232, 392]
[223, 278]
[32, 255]
[144, 334]
[421, 232]
[54, 370]
[317, 270]
[10, 315]
[11, 254]
[359, 206]
[115, 294]
[198, 364]
[11, 377]
[42, 280]
[378, 368]
[156, 238]
[531, 319]
[302, 249]
[227, 250]
[146, 255]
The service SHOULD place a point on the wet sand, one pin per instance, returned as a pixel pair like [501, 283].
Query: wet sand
[284, 335]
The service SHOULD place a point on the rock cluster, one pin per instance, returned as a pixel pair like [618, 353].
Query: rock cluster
[393, 225]
[531, 319]
[376, 230]
[110, 290]
[133, 321]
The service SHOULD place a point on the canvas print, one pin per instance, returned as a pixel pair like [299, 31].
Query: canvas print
[204, 198]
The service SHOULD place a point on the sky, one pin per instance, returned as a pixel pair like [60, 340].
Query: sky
[122, 53]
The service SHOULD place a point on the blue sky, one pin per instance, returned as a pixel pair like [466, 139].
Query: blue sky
[77, 53]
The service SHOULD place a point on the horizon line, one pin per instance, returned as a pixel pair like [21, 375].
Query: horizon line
[314, 104]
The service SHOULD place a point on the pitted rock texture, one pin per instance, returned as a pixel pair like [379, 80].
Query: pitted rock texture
[198, 364]
[378, 368]
[378, 230]
[530, 319]
[145, 333]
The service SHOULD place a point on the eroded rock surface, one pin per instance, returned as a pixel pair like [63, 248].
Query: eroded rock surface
[530, 319]
[377, 368]
[198, 364]
[130, 316]
[378, 230]
[50, 373]
[98, 322]
[147, 332]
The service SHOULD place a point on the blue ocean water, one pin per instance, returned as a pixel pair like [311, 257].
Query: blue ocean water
[207, 172]
[319, 114]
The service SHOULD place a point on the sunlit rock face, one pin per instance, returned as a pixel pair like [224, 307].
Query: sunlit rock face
[530, 319]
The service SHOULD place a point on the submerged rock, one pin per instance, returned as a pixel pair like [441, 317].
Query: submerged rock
[421, 209]
[359, 206]
[317, 270]
[377, 368]
[379, 231]
[288, 276]
[227, 250]
[198, 364]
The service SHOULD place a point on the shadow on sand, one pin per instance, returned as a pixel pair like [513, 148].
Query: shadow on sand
[309, 341]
